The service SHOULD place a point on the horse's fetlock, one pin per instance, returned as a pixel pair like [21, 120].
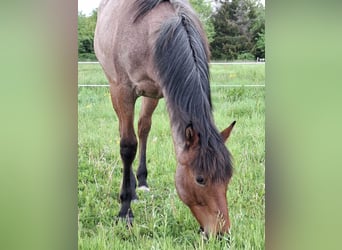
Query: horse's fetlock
[125, 196]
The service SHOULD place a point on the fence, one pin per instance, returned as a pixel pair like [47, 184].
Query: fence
[213, 63]
[212, 85]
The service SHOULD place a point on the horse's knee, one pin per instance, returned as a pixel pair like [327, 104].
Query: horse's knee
[128, 150]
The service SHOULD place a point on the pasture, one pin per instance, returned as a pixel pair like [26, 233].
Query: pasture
[162, 221]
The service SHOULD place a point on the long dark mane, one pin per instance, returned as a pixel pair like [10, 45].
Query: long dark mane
[181, 56]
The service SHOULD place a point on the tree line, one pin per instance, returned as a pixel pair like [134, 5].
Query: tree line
[235, 29]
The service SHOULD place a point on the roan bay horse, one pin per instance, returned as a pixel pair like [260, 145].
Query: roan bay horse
[155, 49]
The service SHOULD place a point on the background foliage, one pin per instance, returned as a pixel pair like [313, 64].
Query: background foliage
[86, 28]
[239, 30]
[235, 29]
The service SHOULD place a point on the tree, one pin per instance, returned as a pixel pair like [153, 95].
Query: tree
[86, 29]
[204, 11]
[238, 29]
[258, 33]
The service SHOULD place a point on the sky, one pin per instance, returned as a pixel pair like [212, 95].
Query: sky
[87, 6]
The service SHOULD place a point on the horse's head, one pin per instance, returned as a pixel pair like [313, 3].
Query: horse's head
[205, 197]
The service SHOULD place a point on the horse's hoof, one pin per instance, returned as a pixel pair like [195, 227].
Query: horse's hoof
[144, 188]
[204, 235]
[135, 198]
[127, 219]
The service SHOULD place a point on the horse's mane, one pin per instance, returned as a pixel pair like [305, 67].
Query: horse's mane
[181, 56]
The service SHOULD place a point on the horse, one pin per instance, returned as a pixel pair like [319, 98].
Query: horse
[158, 49]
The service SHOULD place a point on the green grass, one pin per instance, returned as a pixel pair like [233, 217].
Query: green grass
[162, 221]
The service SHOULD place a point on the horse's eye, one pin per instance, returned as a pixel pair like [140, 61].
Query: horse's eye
[200, 180]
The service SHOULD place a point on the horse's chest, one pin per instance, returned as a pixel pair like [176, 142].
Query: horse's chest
[148, 88]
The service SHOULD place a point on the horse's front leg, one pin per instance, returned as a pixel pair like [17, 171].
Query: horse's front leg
[123, 103]
[144, 125]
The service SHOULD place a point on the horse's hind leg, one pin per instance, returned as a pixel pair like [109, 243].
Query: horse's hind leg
[144, 126]
[123, 102]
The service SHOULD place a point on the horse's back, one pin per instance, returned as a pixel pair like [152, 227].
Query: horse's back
[124, 48]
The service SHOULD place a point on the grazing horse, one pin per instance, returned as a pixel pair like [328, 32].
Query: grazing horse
[155, 49]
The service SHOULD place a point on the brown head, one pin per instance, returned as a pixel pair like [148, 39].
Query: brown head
[204, 194]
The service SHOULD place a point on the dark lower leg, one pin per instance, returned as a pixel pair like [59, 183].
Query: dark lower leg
[142, 170]
[127, 152]
[123, 100]
[144, 127]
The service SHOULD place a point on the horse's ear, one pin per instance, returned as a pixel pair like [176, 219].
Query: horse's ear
[226, 132]
[191, 136]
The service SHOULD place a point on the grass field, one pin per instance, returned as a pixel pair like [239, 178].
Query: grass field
[162, 221]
